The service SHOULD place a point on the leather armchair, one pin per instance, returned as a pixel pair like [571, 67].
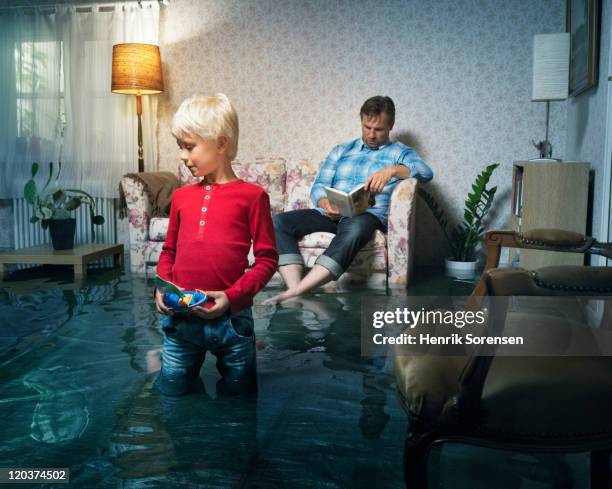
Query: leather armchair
[515, 403]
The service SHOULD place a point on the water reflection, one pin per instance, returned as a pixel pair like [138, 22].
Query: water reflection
[76, 389]
[61, 413]
[215, 437]
[29, 318]
[26, 319]
[200, 438]
[140, 446]
[331, 324]
[54, 354]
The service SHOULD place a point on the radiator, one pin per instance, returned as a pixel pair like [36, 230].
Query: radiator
[28, 234]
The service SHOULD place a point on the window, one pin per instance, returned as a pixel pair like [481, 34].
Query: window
[40, 110]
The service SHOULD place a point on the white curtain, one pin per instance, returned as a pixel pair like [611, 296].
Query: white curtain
[99, 141]
[30, 95]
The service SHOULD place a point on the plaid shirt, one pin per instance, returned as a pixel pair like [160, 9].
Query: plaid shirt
[350, 164]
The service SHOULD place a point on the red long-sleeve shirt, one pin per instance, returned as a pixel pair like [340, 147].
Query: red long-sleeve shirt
[209, 236]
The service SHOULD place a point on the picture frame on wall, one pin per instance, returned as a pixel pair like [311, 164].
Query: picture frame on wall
[582, 22]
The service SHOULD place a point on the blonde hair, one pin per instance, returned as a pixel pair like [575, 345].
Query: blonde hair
[208, 117]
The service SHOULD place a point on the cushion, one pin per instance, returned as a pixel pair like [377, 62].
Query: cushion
[158, 228]
[371, 258]
[269, 173]
[300, 177]
[152, 251]
[368, 260]
[322, 240]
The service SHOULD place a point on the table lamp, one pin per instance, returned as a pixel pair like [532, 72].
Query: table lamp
[551, 54]
[137, 71]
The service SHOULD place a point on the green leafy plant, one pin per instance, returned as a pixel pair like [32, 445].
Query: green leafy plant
[57, 203]
[464, 237]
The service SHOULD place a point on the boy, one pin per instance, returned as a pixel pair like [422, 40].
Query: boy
[212, 224]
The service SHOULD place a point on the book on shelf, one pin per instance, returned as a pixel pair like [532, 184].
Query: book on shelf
[352, 203]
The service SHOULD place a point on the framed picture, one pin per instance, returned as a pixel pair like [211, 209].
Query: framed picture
[582, 22]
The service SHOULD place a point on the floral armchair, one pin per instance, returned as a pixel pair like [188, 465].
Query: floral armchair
[386, 261]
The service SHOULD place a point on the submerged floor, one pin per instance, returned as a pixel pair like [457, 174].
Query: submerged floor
[75, 391]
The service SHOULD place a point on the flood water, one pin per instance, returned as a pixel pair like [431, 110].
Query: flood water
[77, 364]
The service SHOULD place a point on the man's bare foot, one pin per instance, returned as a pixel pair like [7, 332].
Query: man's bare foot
[282, 297]
[314, 305]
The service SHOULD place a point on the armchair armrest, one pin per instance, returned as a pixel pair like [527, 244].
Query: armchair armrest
[138, 208]
[538, 239]
[550, 281]
[400, 233]
[139, 204]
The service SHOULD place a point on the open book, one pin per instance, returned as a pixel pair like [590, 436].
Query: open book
[352, 204]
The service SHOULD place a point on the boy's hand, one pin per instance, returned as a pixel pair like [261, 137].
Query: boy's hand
[222, 304]
[159, 303]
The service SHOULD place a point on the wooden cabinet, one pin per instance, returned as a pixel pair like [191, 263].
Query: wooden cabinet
[549, 195]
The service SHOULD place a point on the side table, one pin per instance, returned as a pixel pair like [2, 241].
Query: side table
[79, 257]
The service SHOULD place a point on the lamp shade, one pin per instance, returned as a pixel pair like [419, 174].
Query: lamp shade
[136, 69]
[550, 66]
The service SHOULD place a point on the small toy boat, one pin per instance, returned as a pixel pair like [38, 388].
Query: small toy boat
[180, 300]
[188, 300]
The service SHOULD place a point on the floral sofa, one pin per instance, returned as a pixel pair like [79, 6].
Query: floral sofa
[386, 261]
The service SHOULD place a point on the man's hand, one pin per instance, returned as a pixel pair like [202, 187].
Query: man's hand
[376, 182]
[222, 304]
[330, 210]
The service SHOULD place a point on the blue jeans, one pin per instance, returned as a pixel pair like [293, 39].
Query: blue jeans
[352, 233]
[231, 338]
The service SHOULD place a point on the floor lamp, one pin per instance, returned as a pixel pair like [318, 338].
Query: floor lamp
[137, 71]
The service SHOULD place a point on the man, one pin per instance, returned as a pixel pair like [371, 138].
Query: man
[372, 160]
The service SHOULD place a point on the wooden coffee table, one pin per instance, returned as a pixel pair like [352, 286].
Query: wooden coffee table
[79, 257]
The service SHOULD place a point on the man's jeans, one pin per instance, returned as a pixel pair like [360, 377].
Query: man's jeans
[352, 233]
[230, 338]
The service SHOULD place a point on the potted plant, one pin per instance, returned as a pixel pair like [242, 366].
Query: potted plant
[52, 207]
[465, 236]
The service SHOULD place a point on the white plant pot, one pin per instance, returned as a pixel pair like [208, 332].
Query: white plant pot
[465, 270]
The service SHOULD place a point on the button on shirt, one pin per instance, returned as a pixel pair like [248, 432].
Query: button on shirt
[350, 164]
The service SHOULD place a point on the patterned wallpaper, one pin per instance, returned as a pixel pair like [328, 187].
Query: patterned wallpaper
[586, 125]
[298, 71]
